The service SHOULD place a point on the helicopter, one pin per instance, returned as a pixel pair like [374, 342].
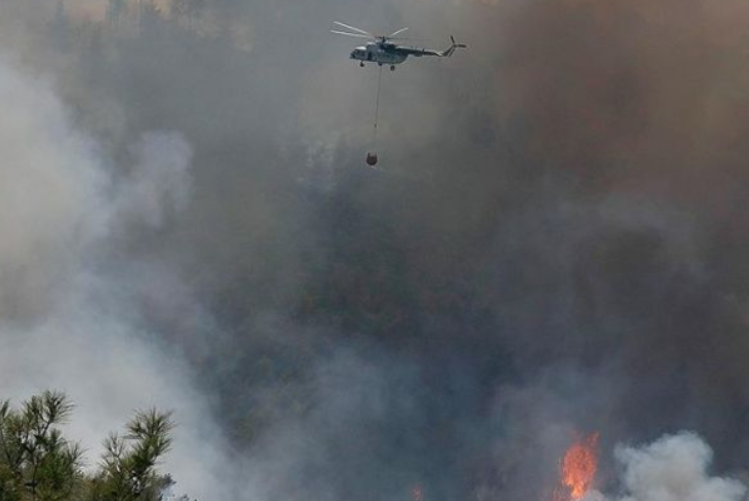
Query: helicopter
[383, 51]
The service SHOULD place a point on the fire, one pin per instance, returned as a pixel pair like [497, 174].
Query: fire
[579, 465]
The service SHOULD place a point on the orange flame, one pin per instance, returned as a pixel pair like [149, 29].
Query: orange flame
[579, 465]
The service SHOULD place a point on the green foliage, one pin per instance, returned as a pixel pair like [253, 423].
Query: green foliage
[128, 466]
[38, 463]
[36, 460]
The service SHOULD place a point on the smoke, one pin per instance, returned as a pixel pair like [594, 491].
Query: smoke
[67, 322]
[159, 181]
[675, 467]
[50, 183]
[556, 243]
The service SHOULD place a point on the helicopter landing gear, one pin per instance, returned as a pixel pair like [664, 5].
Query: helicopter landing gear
[392, 68]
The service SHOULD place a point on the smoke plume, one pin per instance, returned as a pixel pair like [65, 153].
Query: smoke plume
[556, 244]
[67, 323]
[675, 467]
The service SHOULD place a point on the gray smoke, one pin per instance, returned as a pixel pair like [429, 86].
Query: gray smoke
[556, 244]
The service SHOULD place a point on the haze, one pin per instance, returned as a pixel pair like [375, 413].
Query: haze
[555, 245]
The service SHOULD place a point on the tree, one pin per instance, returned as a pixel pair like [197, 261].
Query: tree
[37, 463]
[129, 463]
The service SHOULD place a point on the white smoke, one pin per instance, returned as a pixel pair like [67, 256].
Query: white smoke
[673, 468]
[66, 321]
[52, 190]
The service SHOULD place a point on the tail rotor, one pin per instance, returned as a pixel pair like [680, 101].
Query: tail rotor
[455, 45]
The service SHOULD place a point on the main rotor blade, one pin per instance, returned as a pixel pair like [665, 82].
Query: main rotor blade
[356, 35]
[352, 28]
[397, 32]
[410, 39]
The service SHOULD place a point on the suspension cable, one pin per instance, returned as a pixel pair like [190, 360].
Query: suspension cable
[377, 109]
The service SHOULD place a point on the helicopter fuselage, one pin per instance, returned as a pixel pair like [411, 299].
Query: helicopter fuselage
[380, 53]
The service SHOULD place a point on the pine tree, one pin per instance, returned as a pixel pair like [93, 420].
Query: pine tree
[37, 463]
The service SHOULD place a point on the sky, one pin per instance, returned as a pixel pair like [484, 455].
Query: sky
[553, 244]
